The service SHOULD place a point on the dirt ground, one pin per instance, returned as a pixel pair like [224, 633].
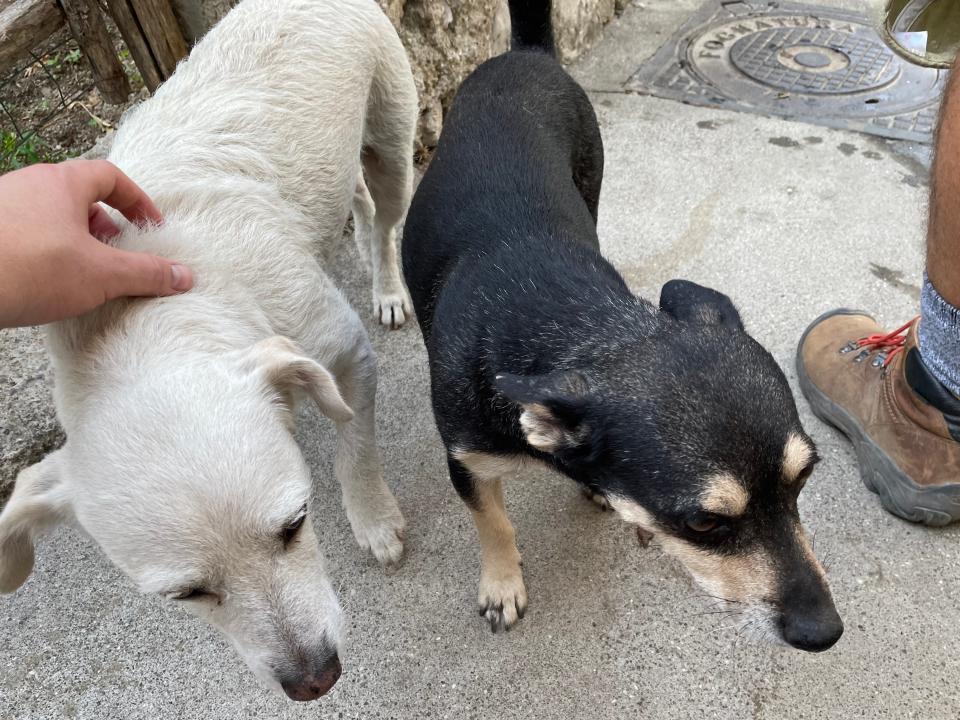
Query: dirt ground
[50, 108]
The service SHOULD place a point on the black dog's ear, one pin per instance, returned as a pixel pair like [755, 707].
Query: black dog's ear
[553, 405]
[689, 302]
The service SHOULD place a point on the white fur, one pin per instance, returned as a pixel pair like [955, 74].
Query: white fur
[180, 460]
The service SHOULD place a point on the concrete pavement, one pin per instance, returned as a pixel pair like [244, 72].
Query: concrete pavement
[788, 229]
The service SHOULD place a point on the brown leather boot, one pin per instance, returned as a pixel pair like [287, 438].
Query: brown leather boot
[905, 426]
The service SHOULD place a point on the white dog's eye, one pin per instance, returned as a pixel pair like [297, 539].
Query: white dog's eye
[290, 531]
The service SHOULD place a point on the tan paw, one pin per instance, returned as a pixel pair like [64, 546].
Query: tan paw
[502, 599]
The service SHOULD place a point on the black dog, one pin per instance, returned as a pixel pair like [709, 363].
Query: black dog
[539, 351]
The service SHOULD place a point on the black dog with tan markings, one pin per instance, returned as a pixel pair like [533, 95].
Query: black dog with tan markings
[538, 351]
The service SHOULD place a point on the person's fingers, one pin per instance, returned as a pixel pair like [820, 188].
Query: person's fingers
[103, 181]
[125, 273]
[102, 226]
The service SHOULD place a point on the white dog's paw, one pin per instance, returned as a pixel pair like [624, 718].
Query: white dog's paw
[392, 305]
[597, 499]
[385, 541]
[502, 598]
[378, 527]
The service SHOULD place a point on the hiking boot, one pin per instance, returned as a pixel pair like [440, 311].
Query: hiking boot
[905, 426]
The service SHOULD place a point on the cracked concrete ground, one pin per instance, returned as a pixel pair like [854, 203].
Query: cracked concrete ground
[790, 220]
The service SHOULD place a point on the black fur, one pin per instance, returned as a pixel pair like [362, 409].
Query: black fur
[530, 25]
[518, 305]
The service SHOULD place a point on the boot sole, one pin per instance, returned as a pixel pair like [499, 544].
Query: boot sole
[899, 494]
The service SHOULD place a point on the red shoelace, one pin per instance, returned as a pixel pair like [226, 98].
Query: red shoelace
[889, 345]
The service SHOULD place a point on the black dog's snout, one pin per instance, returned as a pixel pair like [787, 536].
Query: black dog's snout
[313, 680]
[813, 630]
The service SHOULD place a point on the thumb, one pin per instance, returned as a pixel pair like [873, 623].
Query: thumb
[136, 274]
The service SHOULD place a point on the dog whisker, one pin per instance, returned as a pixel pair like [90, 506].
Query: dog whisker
[719, 612]
[720, 599]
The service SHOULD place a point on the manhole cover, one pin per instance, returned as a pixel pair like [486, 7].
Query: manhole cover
[803, 62]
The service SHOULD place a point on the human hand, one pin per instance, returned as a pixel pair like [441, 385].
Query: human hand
[53, 261]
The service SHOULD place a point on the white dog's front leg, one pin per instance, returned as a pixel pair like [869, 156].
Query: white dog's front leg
[371, 508]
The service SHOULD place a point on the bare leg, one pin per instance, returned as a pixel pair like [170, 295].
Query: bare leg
[902, 411]
[939, 331]
[502, 596]
[371, 508]
[943, 236]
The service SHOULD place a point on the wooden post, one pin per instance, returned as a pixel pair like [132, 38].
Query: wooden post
[24, 24]
[86, 24]
[162, 31]
[150, 30]
[129, 28]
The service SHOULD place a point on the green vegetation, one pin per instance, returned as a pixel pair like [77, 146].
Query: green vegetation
[16, 153]
[57, 61]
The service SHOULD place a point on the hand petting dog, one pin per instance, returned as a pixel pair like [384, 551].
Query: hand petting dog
[180, 459]
[55, 262]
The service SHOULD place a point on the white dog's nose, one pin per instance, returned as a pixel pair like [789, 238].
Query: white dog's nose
[315, 680]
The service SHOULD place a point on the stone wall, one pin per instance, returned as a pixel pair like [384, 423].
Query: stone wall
[446, 39]
[444, 46]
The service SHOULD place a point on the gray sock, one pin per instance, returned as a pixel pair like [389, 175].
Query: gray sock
[940, 337]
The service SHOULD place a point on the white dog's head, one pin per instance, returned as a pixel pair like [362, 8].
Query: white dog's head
[191, 482]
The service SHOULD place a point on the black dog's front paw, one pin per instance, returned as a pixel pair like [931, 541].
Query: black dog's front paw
[502, 599]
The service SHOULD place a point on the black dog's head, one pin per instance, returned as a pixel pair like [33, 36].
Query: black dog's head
[691, 432]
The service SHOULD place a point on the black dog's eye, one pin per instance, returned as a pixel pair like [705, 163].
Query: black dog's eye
[191, 594]
[290, 531]
[805, 474]
[707, 525]
[807, 471]
[702, 524]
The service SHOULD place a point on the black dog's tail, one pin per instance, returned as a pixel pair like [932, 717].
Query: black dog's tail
[530, 25]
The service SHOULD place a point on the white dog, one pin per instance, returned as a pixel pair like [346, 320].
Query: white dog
[180, 460]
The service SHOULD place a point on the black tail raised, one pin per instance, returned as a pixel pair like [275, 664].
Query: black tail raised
[531, 27]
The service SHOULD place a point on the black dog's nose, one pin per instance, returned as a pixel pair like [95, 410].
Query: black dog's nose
[813, 631]
[313, 682]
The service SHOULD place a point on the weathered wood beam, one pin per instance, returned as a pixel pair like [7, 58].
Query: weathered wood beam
[151, 31]
[24, 24]
[90, 32]
[129, 28]
[162, 31]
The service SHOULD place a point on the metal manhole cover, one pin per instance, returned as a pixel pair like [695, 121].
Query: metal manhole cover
[803, 62]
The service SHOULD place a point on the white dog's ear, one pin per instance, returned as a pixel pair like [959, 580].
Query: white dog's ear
[38, 503]
[287, 371]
